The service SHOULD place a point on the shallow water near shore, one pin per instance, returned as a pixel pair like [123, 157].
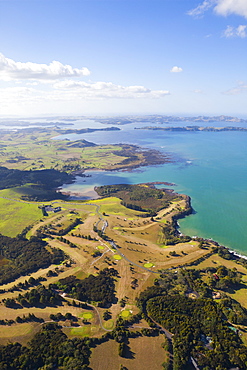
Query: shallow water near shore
[210, 167]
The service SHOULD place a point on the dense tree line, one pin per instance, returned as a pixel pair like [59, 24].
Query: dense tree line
[100, 288]
[139, 197]
[233, 311]
[49, 349]
[191, 320]
[223, 278]
[171, 235]
[39, 296]
[48, 179]
[43, 179]
[199, 326]
[66, 241]
[23, 256]
[88, 237]
[229, 255]
[26, 285]
[30, 317]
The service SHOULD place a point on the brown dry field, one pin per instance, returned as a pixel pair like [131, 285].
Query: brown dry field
[21, 333]
[216, 261]
[139, 239]
[105, 356]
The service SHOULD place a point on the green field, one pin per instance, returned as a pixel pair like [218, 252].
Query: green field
[16, 215]
[117, 257]
[87, 315]
[125, 314]
[148, 264]
[24, 151]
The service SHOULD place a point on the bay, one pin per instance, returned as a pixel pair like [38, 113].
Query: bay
[210, 167]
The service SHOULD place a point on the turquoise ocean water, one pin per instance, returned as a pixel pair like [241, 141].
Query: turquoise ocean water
[210, 167]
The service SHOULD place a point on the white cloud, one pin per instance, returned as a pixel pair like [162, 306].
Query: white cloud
[176, 69]
[229, 32]
[240, 89]
[71, 92]
[201, 8]
[106, 90]
[221, 7]
[19, 95]
[32, 83]
[42, 87]
[239, 31]
[226, 7]
[11, 70]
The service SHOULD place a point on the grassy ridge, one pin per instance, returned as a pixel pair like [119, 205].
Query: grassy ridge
[34, 150]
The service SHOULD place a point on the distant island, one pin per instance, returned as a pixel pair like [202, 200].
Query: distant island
[193, 128]
[118, 120]
[162, 119]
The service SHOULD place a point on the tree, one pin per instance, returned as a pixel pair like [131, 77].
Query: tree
[107, 315]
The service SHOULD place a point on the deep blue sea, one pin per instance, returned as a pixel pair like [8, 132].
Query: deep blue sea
[210, 167]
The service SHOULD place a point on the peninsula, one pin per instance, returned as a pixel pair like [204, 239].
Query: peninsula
[39, 148]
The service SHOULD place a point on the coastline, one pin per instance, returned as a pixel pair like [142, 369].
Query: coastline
[91, 194]
[236, 254]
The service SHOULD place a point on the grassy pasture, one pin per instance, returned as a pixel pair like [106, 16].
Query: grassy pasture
[74, 253]
[240, 296]
[113, 206]
[16, 215]
[24, 151]
[105, 356]
[87, 315]
[23, 332]
[16, 332]
[86, 330]
[43, 312]
[216, 261]
[61, 222]
[109, 324]
[27, 189]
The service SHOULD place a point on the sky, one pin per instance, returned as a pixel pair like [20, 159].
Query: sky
[123, 57]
